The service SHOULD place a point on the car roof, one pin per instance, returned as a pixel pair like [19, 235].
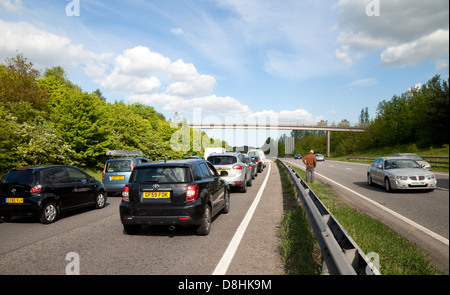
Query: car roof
[40, 167]
[394, 158]
[171, 163]
[225, 154]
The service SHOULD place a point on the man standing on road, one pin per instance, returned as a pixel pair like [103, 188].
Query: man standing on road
[310, 161]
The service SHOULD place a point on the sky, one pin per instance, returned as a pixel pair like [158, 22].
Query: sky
[226, 61]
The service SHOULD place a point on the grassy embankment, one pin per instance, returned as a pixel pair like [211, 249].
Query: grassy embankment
[301, 252]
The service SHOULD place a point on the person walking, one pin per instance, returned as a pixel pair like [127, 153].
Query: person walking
[310, 161]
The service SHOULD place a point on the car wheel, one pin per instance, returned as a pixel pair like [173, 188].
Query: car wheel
[49, 213]
[132, 229]
[226, 208]
[369, 179]
[387, 185]
[100, 200]
[205, 227]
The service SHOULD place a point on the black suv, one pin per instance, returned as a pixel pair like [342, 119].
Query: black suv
[182, 192]
[45, 192]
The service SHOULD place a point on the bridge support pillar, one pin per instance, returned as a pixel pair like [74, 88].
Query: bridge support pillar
[328, 143]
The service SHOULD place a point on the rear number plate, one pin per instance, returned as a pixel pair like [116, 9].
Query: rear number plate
[14, 200]
[156, 195]
[117, 177]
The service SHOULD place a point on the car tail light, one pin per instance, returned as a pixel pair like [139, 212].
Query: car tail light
[191, 193]
[126, 194]
[237, 167]
[103, 173]
[36, 189]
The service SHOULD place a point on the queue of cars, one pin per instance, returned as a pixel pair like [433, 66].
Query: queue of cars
[187, 192]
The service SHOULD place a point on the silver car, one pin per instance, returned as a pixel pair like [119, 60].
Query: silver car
[396, 173]
[235, 164]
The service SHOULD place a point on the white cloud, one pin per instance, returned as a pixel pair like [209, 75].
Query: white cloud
[43, 48]
[407, 32]
[11, 5]
[433, 46]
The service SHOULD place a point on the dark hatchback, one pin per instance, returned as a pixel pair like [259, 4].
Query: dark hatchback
[182, 192]
[45, 192]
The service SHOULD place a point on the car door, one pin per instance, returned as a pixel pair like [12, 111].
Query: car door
[377, 171]
[83, 189]
[215, 184]
[57, 182]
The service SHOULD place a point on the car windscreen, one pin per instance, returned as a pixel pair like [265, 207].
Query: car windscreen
[118, 166]
[161, 175]
[222, 160]
[19, 177]
[398, 164]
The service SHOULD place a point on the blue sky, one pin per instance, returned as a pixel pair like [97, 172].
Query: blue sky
[296, 61]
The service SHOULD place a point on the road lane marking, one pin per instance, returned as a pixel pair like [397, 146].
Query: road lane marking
[401, 217]
[225, 261]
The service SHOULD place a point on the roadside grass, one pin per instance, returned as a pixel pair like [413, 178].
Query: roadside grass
[397, 255]
[298, 248]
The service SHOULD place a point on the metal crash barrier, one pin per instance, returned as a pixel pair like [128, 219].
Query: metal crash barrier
[340, 253]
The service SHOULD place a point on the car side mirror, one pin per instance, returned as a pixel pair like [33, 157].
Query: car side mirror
[91, 179]
[223, 173]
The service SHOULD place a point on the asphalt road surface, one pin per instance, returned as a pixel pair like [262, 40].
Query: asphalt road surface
[421, 217]
[93, 242]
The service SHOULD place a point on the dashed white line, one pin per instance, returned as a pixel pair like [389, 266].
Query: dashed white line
[401, 217]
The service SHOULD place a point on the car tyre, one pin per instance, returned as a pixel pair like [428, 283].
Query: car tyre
[205, 226]
[369, 179]
[226, 208]
[387, 185]
[100, 200]
[49, 213]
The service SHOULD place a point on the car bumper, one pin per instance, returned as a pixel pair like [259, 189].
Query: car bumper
[408, 184]
[138, 215]
[114, 188]
[23, 210]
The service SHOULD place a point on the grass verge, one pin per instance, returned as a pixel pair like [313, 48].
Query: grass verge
[299, 248]
[397, 255]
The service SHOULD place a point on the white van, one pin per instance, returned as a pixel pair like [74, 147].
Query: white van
[259, 153]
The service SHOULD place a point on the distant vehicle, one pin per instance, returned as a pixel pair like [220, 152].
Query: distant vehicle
[261, 155]
[239, 174]
[252, 165]
[184, 192]
[416, 158]
[319, 157]
[209, 151]
[257, 161]
[395, 173]
[45, 192]
[117, 172]
[297, 156]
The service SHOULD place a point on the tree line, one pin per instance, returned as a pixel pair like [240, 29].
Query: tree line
[418, 117]
[46, 119]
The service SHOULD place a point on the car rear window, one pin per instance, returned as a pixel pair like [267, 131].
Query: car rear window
[222, 160]
[20, 177]
[118, 166]
[161, 175]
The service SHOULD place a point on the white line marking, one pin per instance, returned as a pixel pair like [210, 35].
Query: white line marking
[224, 263]
[401, 217]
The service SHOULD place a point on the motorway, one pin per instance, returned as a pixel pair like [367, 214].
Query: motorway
[421, 217]
[243, 242]
[97, 238]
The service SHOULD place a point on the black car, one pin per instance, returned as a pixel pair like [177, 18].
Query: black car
[45, 192]
[182, 192]
[259, 165]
